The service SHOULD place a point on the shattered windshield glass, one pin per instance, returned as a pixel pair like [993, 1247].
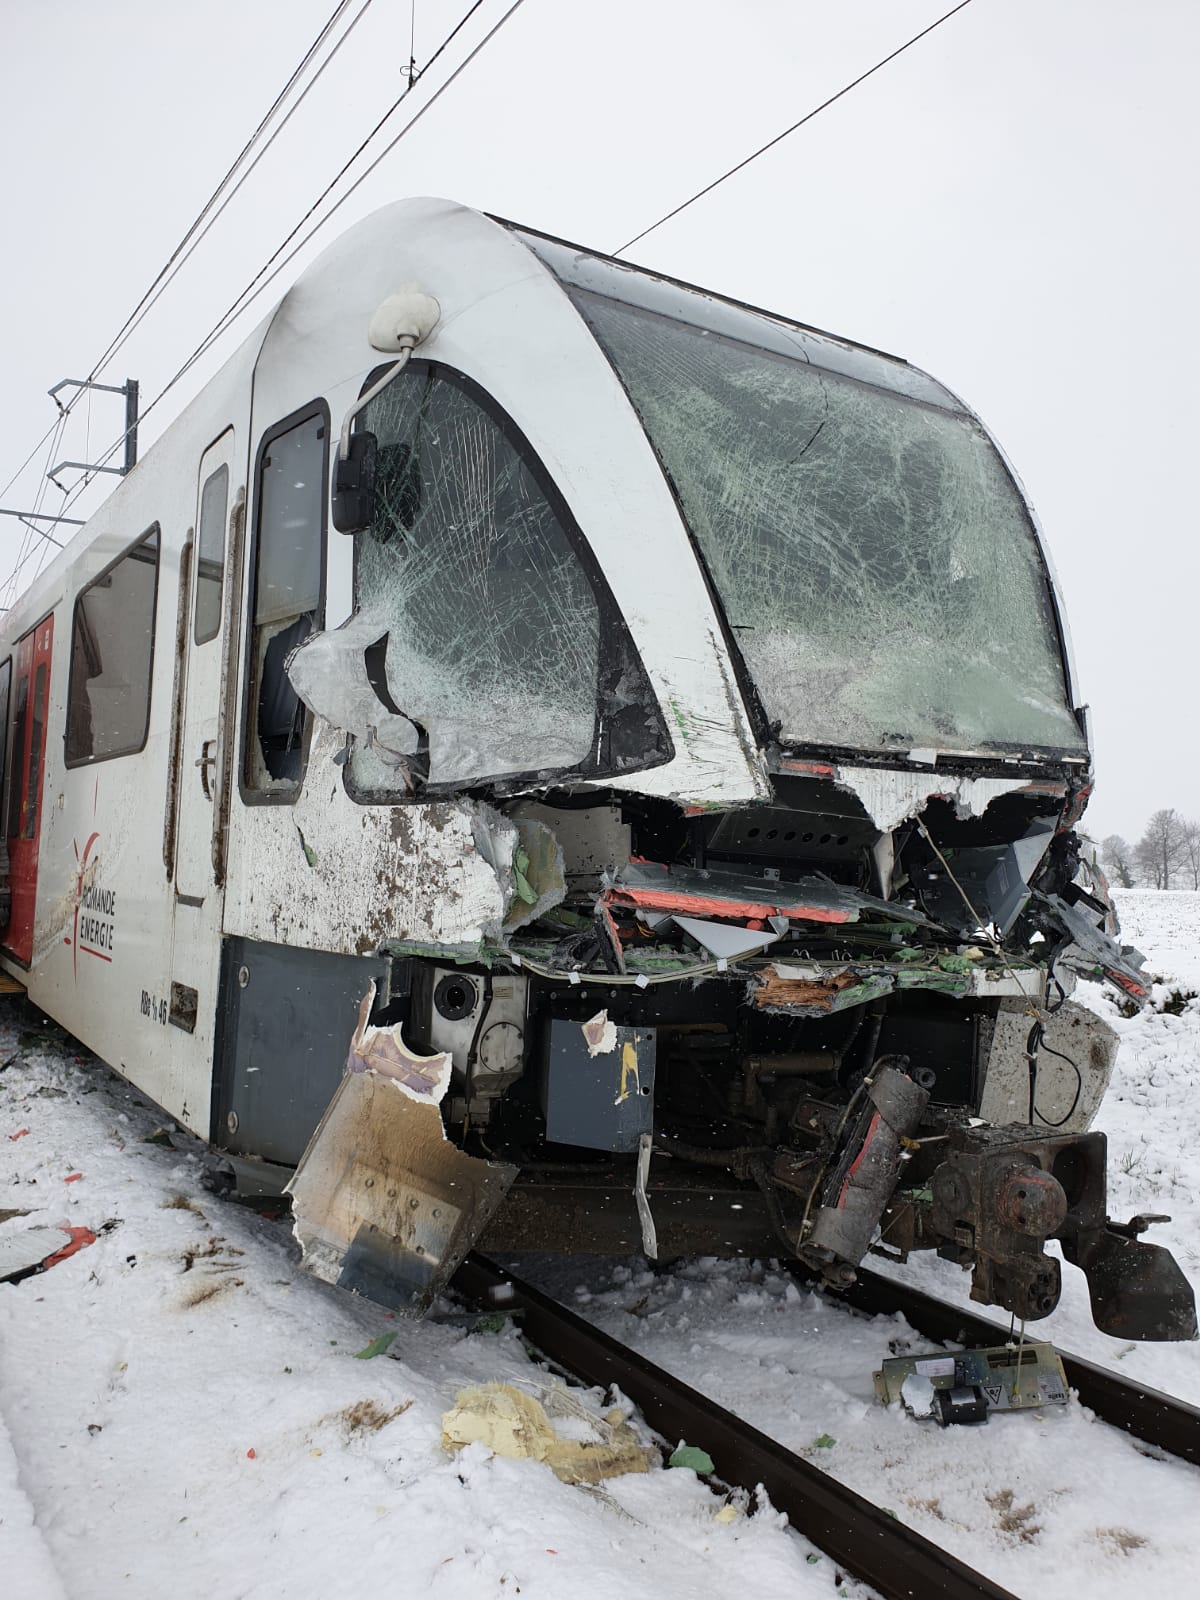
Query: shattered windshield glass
[490, 625]
[873, 556]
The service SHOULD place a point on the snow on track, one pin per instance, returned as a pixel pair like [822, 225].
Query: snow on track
[190, 1431]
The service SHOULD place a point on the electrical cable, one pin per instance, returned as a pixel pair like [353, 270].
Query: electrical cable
[779, 137]
[1035, 1044]
[177, 260]
[259, 282]
[247, 296]
[133, 317]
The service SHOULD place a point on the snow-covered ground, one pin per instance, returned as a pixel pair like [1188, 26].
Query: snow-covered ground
[182, 1412]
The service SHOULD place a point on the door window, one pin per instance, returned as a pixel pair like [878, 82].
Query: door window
[289, 560]
[210, 555]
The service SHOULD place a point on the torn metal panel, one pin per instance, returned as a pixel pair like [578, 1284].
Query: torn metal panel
[723, 940]
[645, 1215]
[383, 1204]
[594, 840]
[1093, 951]
[646, 885]
[437, 875]
[539, 879]
[384, 1051]
[993, 880]
[22, 1252]
[890, 798]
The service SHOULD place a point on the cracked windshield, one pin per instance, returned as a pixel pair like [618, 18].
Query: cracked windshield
[872, 555]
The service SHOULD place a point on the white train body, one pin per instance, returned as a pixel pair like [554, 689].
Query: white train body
[209, 872]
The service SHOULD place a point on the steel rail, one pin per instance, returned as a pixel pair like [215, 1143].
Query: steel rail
[859, 1536]
[1150, 1415]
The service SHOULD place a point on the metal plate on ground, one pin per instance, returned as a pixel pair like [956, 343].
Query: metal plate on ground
[967, 1385]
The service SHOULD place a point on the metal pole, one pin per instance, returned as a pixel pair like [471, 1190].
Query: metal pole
[39, 516]
[131, 424]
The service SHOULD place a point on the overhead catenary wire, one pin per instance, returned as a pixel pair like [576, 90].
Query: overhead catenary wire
[196, 233]
[265, 274]
[779, 137]
[187, 244]
[174, 260]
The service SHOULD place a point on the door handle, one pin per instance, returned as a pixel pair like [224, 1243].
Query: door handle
[206, 760]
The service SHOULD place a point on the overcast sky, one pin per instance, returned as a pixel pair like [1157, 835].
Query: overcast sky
[1010, 205]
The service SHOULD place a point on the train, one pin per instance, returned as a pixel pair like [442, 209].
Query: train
[540, 755]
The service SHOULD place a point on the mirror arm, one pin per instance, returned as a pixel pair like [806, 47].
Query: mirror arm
[363, 401]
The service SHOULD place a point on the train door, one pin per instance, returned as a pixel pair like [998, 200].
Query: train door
[202, 719]
[202, 754]
[23, 824]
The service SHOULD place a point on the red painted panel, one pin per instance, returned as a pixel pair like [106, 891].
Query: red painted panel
[717, 905]
[23, 826]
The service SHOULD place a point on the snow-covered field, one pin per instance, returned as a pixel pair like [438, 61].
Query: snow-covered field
[182, 1412]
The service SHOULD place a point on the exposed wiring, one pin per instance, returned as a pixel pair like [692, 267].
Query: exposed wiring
[779, 137]
[1035, 1044]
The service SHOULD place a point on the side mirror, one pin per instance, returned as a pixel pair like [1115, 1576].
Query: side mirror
[354, 484]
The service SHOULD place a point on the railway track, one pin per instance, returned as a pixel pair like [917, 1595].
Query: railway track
[866, 1541]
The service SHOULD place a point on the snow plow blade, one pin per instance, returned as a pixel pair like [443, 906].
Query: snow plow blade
[384, 1205]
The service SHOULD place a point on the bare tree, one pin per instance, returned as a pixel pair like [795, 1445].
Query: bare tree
[1160, 850]
[1191, 852]
[1115, 853]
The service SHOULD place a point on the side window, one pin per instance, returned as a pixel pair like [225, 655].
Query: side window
[491, 624]
[112, 658]
[210, 555]
[289, 560]
[16, 793]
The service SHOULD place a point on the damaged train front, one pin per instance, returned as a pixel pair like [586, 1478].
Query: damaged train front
[779, 965]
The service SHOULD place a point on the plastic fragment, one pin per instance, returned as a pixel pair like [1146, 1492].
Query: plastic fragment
[377, 1347]
[691, 1455]
[80, 1238]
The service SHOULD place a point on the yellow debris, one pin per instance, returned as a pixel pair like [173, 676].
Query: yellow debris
[583, 1448]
